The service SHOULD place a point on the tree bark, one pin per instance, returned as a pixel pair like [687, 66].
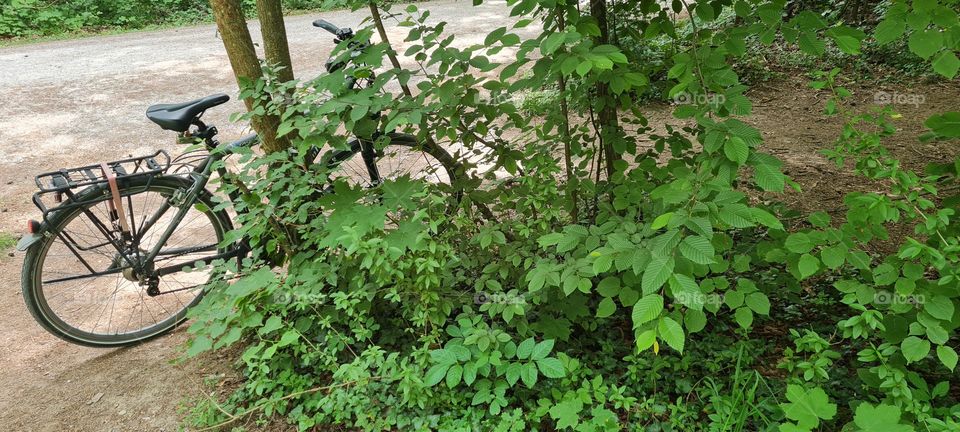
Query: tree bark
[274, 35]
[232, 26]
[607, 117]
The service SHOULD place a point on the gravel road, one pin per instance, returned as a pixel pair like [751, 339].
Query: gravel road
[82, 101]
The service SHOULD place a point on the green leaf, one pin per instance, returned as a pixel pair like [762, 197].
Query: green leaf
[469, 373]
[259, 279]
[947, 356]
[694, 320]
[647, 309]
[946, 124]
[454, 375]
[940, 307]
[199, 344]
[443, 356]
[551, 367]
[528, 374]
[606, 308]
[525, 349]
[686, 291]
[946, 64]
[799, 243]
[744, 317]
[834, 256]
[435, 374]
[661, 221]
[889, 30]
[289, 337]
[736, 149]
[882, 418]
[808, 265]
[672, 333]
[819, 219]
[914, 349]
[925, 43]
[542, 349]
[808, 407]
[656, 274]
[769, 177]
[697, 249]
[810, 44]
[759, 302]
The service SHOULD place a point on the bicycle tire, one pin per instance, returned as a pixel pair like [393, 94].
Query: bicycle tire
[32, 284]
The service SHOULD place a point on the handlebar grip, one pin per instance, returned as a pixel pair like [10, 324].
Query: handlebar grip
[326, 25]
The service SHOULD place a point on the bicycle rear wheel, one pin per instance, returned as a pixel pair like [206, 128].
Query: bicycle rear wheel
[89, 290]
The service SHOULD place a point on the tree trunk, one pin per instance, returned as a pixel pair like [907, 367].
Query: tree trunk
[274, 35]
[232, 26]
[607, 117]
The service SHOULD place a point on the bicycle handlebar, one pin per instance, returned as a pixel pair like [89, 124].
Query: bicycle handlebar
[326, 25]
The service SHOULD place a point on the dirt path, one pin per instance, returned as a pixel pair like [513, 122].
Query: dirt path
[82, 101]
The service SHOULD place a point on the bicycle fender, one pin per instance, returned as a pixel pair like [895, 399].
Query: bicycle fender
[28, 240]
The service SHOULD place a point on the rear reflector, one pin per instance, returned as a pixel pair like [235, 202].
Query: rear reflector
[33, 226]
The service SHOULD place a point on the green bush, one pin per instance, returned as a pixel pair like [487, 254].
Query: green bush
[20, 18]
[608, 280]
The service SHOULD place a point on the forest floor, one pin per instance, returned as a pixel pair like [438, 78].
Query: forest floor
[81, 101]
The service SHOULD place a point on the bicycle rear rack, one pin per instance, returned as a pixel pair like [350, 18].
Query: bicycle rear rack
[62, 189]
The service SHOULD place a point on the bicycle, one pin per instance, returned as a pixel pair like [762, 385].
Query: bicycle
[125, 247]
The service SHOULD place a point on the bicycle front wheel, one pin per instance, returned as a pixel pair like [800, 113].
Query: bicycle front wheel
[86, 284]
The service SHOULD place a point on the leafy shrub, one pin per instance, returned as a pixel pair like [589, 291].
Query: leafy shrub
[592, 279]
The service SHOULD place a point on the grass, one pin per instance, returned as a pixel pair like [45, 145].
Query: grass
[7, 241]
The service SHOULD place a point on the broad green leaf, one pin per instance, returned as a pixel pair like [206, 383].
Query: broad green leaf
[661, 221]
[940, 307]
[694, 320]
[925, 43]
[769, 178]
[656, 274]
[915, 349]
[889, 30]
[697, 249]
[810, 44]
[454, 375]
[686, 291]
[435, 374]
[946, 64]
[647, 309]
[799, 243]
[542, 349]
[528, 374]
[947, 356]
[808, 407]
[551, 367]
[672, 333]
[525, 348]
[736, 150]
[882, 418]
[759, 303]
[808, 265]
[606, 308]
[744, 317]
[946, 124]
[834, 256]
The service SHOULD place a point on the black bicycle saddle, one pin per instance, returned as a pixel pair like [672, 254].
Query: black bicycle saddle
[178, 117]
